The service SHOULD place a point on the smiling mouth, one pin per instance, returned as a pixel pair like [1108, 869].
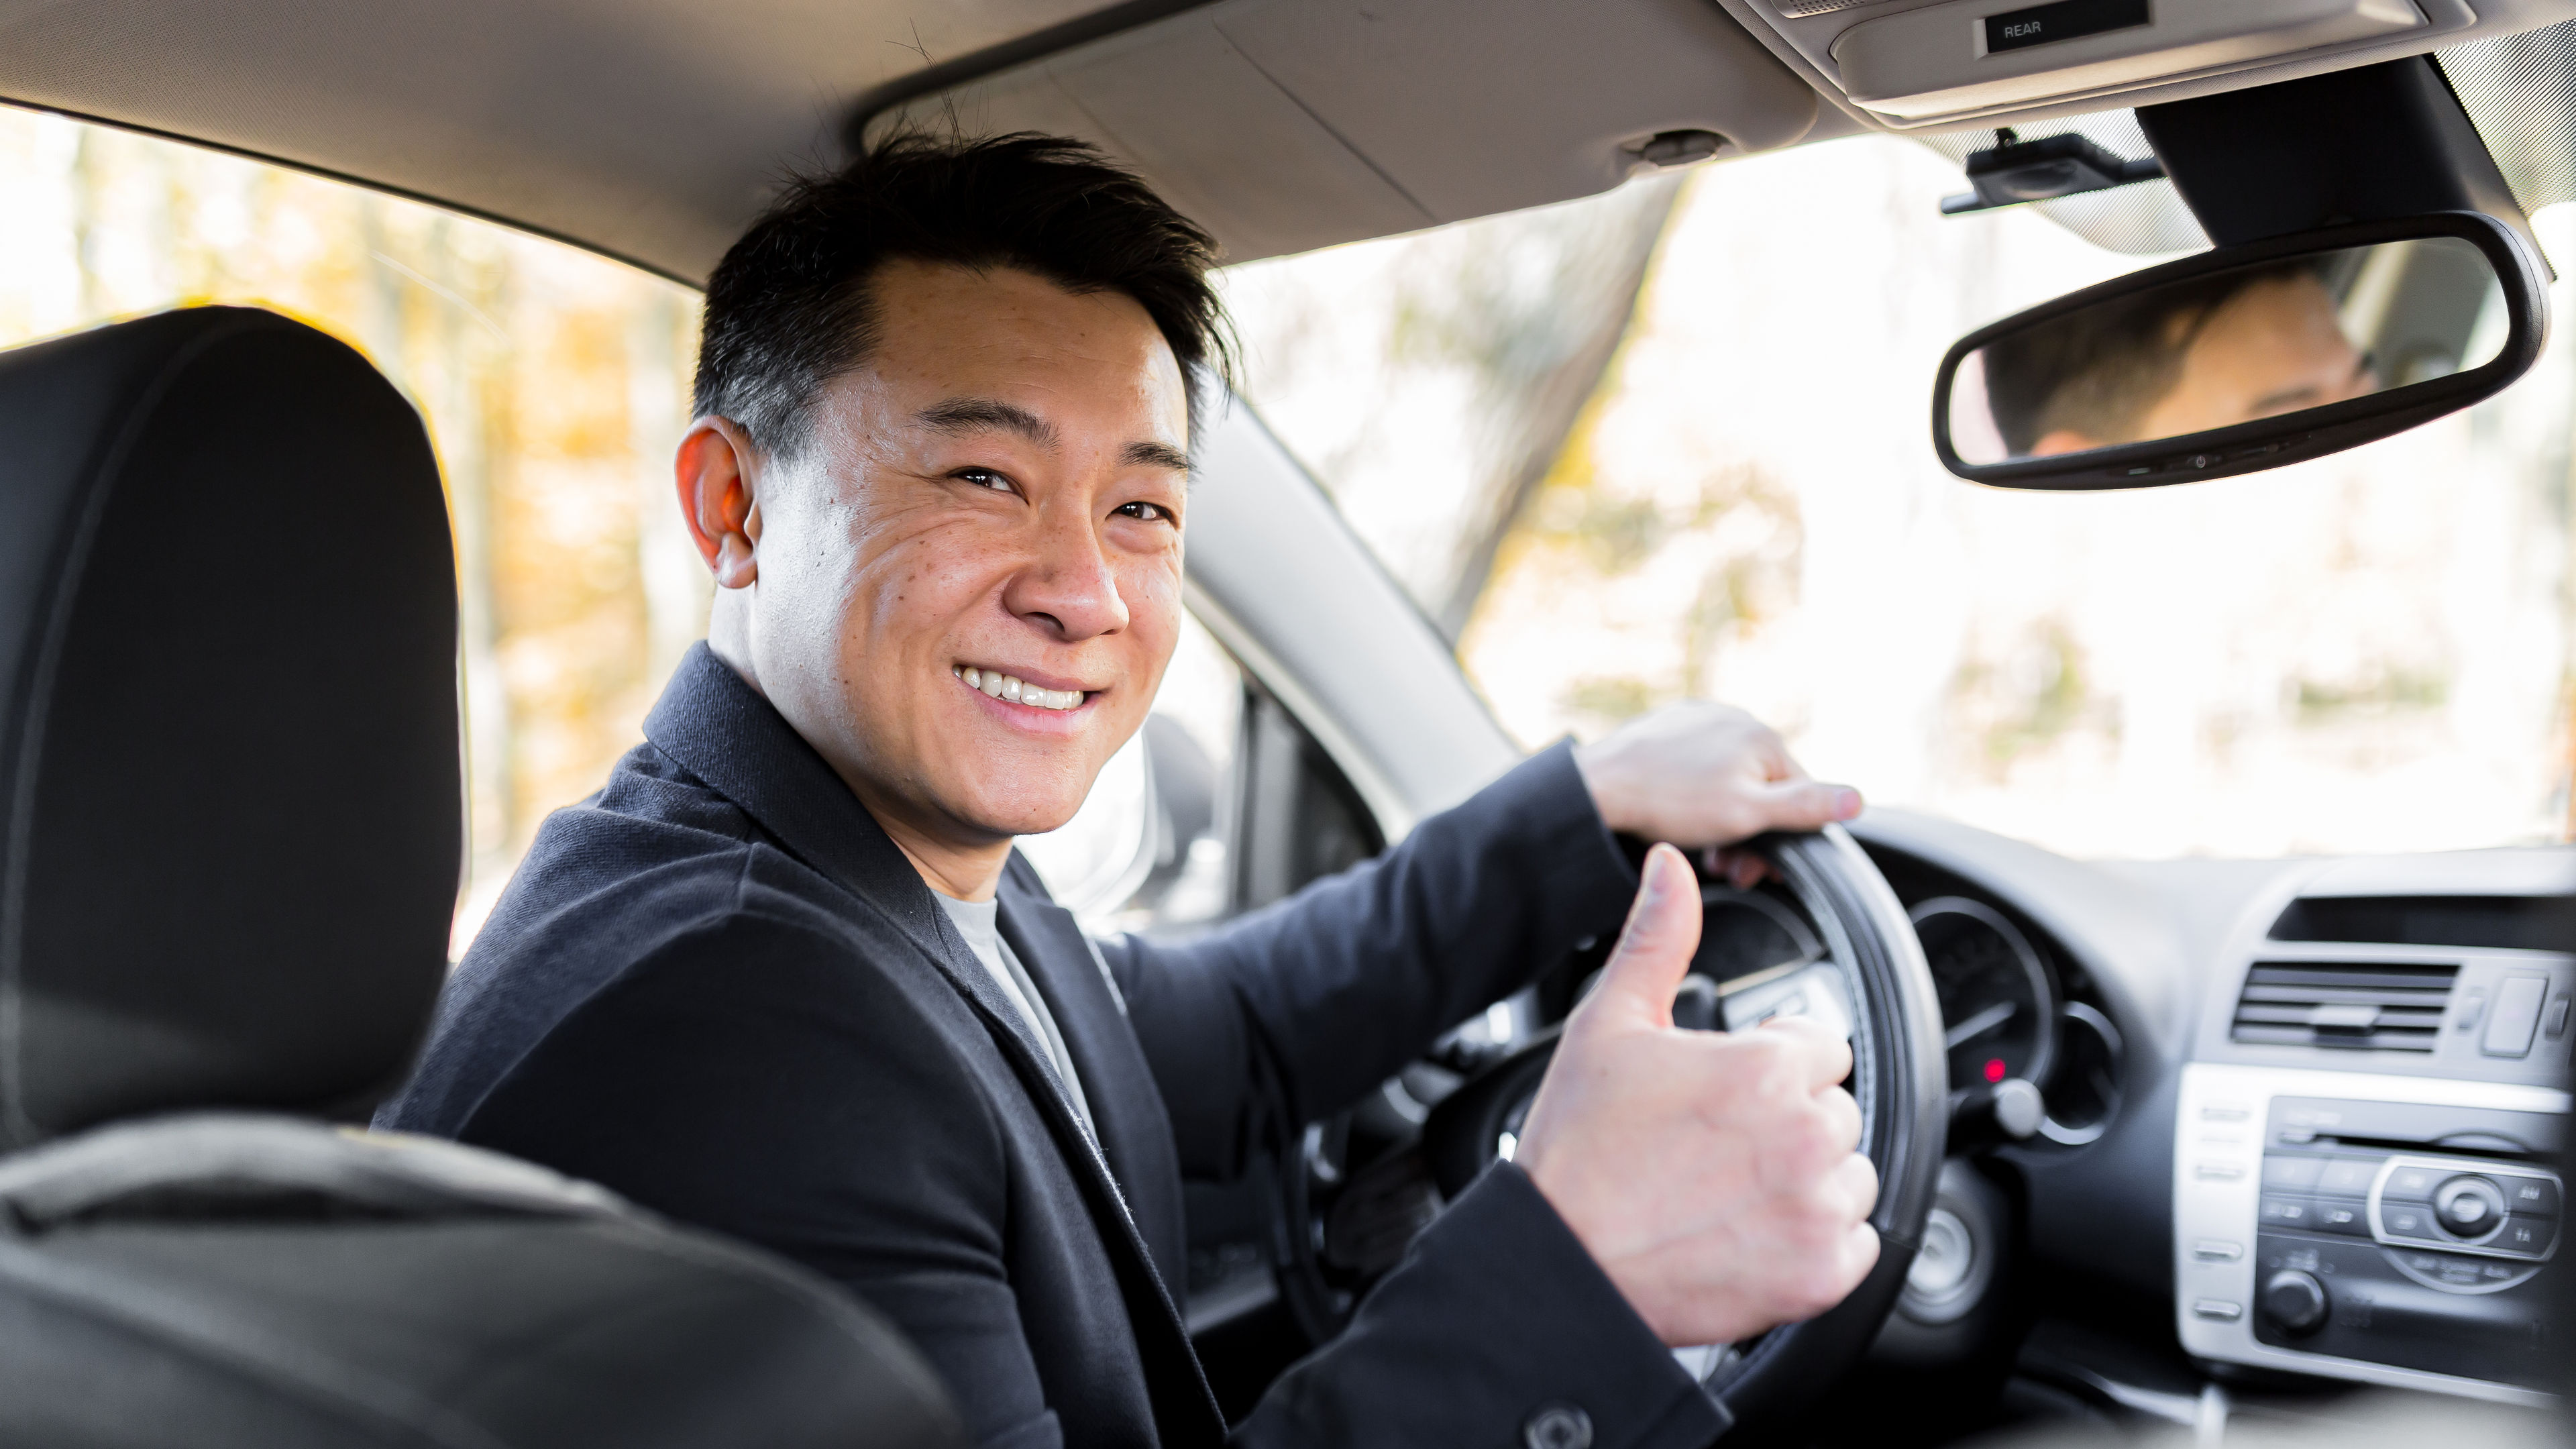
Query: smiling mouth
[1010, 689]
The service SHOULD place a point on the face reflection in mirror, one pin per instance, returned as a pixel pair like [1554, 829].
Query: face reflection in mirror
[2274, 347]
[2226, 348]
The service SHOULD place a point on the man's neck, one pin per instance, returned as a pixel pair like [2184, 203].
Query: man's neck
[968, 870]
[960, 874]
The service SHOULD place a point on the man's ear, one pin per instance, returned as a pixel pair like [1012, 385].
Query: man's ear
[716, 464]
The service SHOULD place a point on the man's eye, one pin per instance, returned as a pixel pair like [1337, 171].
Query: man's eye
[1150, 512]
[984, 478]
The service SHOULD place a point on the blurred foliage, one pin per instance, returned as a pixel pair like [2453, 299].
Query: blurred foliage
[2024, 700]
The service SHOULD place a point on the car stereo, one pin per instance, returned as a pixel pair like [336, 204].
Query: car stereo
[2397, 1230]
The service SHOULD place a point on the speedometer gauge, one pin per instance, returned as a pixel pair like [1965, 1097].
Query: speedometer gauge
[1998, 1003]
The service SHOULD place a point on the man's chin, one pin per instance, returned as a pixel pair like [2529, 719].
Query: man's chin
[1004, 819]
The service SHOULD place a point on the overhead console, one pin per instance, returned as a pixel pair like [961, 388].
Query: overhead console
[1907, 63]
[1284, 125]
[2366, 1146]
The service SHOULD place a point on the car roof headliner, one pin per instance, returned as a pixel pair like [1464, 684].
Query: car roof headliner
[653, 130]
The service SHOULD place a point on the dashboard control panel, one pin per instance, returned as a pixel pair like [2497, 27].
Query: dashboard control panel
[2389, 1229]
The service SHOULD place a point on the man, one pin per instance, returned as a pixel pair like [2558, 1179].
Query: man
[2183, 359]
[784, 977]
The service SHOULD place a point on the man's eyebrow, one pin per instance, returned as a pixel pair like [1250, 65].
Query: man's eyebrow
[977, 414]
[1158, 455]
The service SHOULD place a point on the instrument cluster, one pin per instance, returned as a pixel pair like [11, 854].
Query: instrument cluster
[2014, 1005]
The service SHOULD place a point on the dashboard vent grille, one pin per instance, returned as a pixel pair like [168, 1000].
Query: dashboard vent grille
[2356, 1005]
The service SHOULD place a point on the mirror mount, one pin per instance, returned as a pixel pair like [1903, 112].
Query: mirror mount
[2371, 143]
[2013, 171]
[2267, 441]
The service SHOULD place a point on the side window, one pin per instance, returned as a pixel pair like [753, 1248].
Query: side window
[554, 383]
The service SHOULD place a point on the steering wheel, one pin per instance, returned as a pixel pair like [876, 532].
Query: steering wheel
[1823, 936]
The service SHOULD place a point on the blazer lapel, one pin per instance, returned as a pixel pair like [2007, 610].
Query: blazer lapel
[723, 732]
[1126, 1106]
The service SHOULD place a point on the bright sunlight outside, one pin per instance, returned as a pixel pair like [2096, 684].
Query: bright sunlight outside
[2364, 653]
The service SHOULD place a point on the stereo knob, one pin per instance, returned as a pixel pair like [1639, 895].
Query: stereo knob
[2468, 1207]
[2294, 1300]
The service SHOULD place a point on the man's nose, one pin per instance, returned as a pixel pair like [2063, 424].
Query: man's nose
[1068, 586]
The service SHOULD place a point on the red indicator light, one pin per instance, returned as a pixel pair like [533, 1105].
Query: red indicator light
[1994, 1069]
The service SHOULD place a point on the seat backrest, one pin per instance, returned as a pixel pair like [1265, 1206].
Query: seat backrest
[230, 832]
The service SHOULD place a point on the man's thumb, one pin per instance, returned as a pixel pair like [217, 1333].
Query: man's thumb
[1654, 950]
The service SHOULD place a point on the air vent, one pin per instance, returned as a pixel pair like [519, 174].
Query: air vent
[2359, 1005]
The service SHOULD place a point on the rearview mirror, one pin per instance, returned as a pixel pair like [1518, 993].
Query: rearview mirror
[2244, 358]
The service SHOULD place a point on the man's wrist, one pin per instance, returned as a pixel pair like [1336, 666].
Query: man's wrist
[1557, 1334]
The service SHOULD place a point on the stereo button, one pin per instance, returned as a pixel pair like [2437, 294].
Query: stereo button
[2217, 1250]
[2404, 1220]
[2219, 1309]
[2533, 1196]
[2341, 1217]
[2348, 1176]
[2291, 1174]
[2527, 1235]
[2412, 1184]
[2288, 1212]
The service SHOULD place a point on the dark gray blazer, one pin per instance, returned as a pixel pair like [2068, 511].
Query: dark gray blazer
[719, 989]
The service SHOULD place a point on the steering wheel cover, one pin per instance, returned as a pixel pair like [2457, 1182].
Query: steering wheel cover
[1902, 1080]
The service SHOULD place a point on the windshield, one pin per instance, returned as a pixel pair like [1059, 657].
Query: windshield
[1673, 441]
[1670, 440]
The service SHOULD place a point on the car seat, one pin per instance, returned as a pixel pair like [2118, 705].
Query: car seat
[230, 834]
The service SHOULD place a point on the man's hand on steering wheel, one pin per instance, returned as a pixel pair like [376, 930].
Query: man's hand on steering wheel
[1712, 1175]
[1705, 775]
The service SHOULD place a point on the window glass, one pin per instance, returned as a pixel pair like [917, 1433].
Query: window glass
[555, 385]
[2365, 652]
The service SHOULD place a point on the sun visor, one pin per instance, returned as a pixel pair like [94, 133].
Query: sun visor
[1286, 125]
[1907, 64]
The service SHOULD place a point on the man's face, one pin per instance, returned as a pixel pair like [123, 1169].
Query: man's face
[2276, 347]
[997, 489]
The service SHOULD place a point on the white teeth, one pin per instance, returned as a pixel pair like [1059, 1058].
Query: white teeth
[1003, 686]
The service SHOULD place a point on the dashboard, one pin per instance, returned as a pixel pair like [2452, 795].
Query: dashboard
[2311, 1109]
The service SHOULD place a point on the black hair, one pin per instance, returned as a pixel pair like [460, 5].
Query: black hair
[789, 308]
[2100, 370]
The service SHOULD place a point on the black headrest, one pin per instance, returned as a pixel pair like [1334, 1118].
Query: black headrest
[230, 819]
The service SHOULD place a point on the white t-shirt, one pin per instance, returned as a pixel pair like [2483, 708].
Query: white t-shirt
[980, 923]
